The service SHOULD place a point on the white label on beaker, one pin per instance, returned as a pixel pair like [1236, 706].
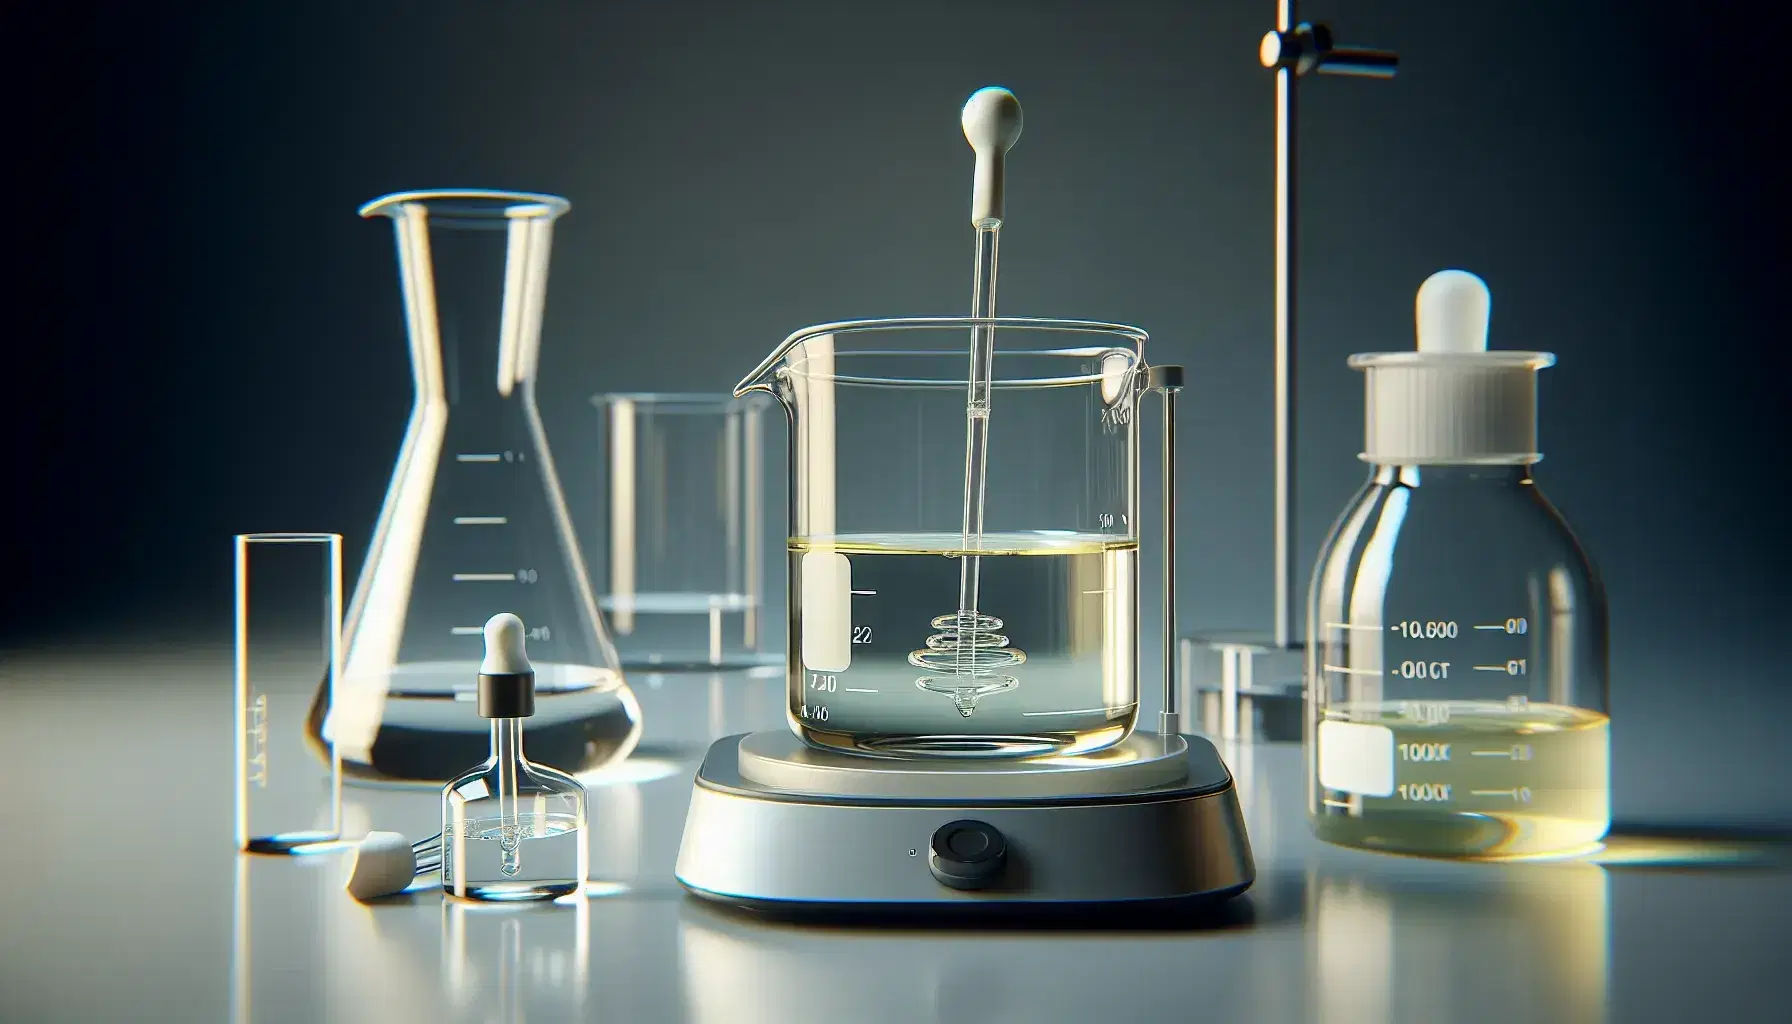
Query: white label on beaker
[827, 611]
[1357, 758]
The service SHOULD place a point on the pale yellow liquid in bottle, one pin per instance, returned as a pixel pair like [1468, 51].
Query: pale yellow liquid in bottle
[1488, 780]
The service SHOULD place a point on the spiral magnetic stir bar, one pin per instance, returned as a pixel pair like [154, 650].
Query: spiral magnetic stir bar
[969, 654]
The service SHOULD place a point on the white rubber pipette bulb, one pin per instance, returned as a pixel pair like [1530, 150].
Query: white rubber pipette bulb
[991, 125]
[384, 864]
[1452, 311]
[504, 653]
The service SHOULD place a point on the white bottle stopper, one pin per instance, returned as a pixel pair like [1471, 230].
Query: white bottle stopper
[385, 864]
[992, 123]
[1452, 312]
[505, 654]
[1453, 401]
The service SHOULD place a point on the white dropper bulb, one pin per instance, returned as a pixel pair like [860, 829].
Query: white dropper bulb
[1453, 308]
[504, 653]
[991, 125]
[384, 864]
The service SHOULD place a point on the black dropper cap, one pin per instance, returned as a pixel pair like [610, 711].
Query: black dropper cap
[509, 691]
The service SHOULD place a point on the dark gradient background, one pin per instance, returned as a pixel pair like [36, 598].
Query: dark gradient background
[215, 343]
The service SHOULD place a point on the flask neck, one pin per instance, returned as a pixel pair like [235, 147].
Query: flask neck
[507, 741]
[473, 273]
[1394, 475]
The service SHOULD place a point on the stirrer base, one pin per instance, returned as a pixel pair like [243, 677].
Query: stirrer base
[1145, 834]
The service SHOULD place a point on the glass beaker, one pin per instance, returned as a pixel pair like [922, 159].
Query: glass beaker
[683, 523]
[474, 521]
[881, 660]
[1456, 628]
[288, 624]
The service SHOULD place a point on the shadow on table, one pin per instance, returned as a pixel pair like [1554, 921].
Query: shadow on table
[736, 971]
[428, 890]
[1638, 846]
[1247, 911]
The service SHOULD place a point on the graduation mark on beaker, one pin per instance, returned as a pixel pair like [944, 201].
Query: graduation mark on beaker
[258, 737]
[1519, 794]
[1516, 752]
[535, 632]
[1513, 626]
[1347, 670]
[1515, 667]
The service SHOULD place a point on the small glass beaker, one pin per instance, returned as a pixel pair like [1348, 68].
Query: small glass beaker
[475, 521]
[288, 635]
[881, 659]
[683, 526]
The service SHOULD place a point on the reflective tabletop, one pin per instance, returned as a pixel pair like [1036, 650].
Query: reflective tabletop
[130, 903]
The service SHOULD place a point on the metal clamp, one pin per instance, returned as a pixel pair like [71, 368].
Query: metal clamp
[1306, 48]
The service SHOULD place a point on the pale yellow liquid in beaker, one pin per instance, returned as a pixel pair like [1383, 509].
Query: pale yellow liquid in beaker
[1067, 602]
[1489, 780]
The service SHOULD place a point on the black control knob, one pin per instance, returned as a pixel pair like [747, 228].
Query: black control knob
[967, 854]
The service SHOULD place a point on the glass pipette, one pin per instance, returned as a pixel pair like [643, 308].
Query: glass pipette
[992, 123]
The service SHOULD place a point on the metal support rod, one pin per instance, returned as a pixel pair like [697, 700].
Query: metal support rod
[1293, 49]
[1285, 327]
[1168, 381]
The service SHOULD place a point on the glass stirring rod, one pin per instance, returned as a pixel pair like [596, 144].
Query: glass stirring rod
[992, 123]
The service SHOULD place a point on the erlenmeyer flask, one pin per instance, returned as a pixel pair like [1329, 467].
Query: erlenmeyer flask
[474, 522]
